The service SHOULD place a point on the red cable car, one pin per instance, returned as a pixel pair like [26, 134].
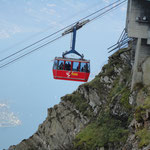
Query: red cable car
[70, 68]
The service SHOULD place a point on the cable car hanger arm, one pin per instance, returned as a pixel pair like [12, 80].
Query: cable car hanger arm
[78, 25]
[73, 45]
[74, 31]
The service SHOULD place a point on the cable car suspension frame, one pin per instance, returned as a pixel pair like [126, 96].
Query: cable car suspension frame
[73, 30]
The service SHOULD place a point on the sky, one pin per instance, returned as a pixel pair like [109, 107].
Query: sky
[27, 87]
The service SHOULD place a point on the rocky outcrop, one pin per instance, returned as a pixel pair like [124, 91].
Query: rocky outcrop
[100, 115]
[63, 122]
[139, 137]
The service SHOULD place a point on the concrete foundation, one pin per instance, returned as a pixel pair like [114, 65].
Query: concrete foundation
[138, 18]
[146, 71]
[141, 71]
[138, 27]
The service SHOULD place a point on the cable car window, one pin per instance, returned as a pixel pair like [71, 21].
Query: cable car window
[88, 67]
[84, 67]
[68, 65]
[60, 65]
[75, 66]
[55, 64]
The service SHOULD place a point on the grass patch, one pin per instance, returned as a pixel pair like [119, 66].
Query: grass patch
[125, 93]
[121, 89]
[144, 137]
[95, 83]
[141, 110]
[116, 88]
[80, 103]
[108, 70]
[101, 132]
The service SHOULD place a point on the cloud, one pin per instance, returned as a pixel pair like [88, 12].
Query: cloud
[4, 34]
[8, 29]
[44, 14]
[75, 4]
[48, 11]
[8, 118]
[51, 5]
[106, 1]
[3, 105]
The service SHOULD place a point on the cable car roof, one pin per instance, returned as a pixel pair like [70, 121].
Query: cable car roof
[72, 59]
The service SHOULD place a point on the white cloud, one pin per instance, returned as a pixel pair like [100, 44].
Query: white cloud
[44, 14]
[51, 5]
[106, 1]
[8, 118]
[48, 11]
[3, 105]
[4, 34]
[8, 29]
[74, 4]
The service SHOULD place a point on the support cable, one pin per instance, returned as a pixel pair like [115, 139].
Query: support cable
[64, 29]
[6, 64]
[15, 59]
[108, 10]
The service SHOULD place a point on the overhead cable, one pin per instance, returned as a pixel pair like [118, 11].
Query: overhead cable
[65, 28]
[27, 53]
[7, 63]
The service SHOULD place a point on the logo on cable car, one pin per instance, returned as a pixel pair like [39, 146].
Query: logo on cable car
[71, 73]
[68, 74]
[74, 74]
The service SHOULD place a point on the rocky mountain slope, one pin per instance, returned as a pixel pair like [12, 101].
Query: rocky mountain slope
[103, 114]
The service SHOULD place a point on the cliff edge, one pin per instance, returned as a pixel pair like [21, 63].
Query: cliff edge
[103, 114]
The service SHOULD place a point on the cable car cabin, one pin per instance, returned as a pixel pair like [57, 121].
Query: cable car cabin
[71, 69]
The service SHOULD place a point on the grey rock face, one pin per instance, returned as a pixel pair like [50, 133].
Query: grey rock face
[57, 131]
[92, 97]
[117, 109]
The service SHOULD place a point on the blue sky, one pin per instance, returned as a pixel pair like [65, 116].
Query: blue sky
[27, 87]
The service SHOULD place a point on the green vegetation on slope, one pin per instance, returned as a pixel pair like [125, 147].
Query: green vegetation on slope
[106, 129]
[99, 133]
[140, 111]
[79, 102]
[143, 133]
[144, 137]
[121, 89]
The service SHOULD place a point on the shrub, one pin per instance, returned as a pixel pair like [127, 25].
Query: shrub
[144, 137]
[101, 132]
